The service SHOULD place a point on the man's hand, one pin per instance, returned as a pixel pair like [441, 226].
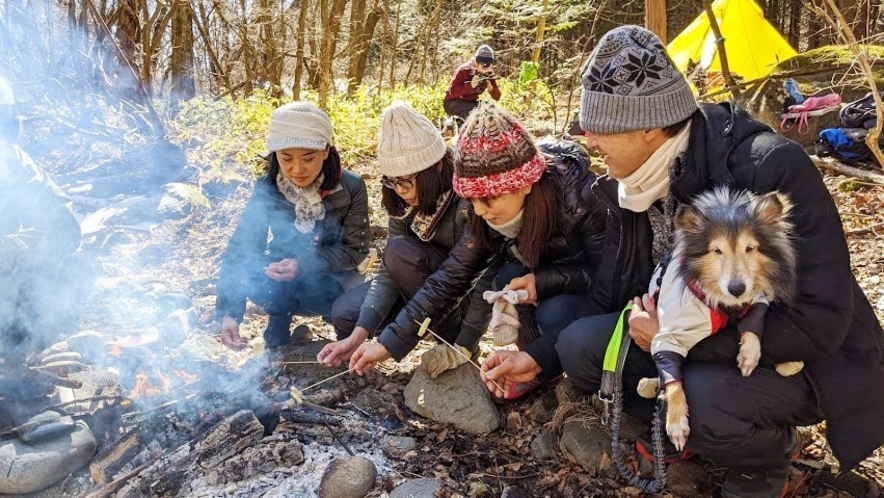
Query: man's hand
[476, 80]
[367, 356]
[528, 283]
[230, 334]
[508, 368]
[336, 353]
[282, 271]
[643, 324]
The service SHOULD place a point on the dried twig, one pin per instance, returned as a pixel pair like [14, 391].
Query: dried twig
[839, 167]
[425, 327]
[118, 397]
[875, 229]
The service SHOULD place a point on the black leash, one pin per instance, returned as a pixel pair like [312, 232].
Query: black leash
[611, 394]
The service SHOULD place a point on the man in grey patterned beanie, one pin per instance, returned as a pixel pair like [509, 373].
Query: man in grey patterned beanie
[631, 84]
[662, 149]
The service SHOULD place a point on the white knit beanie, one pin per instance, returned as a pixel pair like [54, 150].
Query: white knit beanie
[299, 125]
[409, 142]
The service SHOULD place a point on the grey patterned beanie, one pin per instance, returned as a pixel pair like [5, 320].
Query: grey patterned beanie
[630, 83]
[485, 55]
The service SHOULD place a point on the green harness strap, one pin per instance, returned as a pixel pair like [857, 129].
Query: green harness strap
[615, 356]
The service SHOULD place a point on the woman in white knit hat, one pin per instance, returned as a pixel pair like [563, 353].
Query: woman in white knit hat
[426, 221]
[318, 216]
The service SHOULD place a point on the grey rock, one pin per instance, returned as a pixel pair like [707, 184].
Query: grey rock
[172, 301]
[589, 447]
[27, 468]
[455, 397]
[514, 492]
[177, 202]
[416, 488]
[399, 444]
[688, 479]
[544, 407]
[544, 446]
[177, 325]
[348, 477]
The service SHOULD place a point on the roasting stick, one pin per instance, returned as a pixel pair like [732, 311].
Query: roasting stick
[314, 362]
[425, 327]
[298, 394]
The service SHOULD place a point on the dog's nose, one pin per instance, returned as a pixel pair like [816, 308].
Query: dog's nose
[736, 288]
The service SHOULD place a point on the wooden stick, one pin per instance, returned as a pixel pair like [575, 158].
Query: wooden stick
[839, 167]
[425, 327]
[326, 380]
[314, 362]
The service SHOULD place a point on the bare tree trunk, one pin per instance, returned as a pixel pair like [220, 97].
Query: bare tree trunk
[385, 36]
[181, 60]
[395, 45]
[331, 20]
[216, 70]
[795, 22]
[128, 32]
[362, 27]
[655, 18]
[299, 57]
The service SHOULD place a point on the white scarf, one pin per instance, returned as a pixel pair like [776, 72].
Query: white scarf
[650, 182]
[511, 228]
[307, 201]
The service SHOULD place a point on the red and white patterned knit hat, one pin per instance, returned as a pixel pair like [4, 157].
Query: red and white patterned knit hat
[494, 155]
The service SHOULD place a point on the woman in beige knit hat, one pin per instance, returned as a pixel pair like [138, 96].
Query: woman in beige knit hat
[317, 213]
[426, 221]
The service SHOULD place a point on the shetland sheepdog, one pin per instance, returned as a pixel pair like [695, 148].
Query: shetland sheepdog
[732, 256]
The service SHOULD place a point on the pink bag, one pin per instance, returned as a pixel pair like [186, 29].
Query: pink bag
[800, 112]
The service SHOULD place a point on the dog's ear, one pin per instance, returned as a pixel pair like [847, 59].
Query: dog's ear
[689, 219]
[771, 207]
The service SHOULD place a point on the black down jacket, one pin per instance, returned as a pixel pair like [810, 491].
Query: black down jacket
[567, 264]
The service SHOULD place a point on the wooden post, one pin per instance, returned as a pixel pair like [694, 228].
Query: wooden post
[541, 29]
[655, 18]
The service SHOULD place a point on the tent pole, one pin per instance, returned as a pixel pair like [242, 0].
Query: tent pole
[722, 55]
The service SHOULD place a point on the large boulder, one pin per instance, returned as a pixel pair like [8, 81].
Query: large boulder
[455, 397]
[28, 468]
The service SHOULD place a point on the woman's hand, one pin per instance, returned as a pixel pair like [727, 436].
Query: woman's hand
[230, 334]
[508, 368]
[528, 283]
[367, 356]
[643, 324]
[336, 353]
[282, 271]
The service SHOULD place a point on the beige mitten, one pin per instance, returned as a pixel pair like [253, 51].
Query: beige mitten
[504, 316]
[442, 357]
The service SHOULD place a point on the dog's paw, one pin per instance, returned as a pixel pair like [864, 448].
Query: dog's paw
[678, 432]
[750, 353]
[648, 386]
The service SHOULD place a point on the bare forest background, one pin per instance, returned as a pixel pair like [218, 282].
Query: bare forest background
[176, 49]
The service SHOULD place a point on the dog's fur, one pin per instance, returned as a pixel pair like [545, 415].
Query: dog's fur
[449, 127]
[734, 246]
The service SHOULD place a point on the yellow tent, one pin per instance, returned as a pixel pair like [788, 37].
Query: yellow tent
[753, 46]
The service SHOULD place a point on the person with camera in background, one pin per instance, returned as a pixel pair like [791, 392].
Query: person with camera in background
[470, 82]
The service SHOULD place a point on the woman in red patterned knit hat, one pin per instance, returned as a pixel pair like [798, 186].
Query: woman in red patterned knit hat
[533, 208]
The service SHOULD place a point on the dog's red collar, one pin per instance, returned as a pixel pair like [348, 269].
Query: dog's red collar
[722, 315]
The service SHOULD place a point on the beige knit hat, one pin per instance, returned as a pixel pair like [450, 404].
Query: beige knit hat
[409, 142]
[299, 125]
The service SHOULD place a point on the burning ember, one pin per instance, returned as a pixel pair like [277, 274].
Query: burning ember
[144, 387]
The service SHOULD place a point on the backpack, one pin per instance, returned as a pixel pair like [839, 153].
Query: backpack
[860, 113]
